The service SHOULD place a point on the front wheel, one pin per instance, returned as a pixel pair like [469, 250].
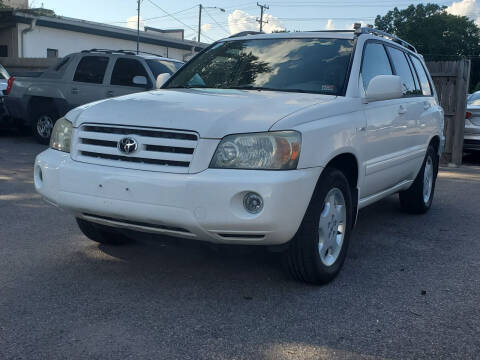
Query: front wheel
[418, 198]
[318, 250]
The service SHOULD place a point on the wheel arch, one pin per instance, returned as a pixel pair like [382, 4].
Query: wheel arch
[435, 142]
[60, 106]
[347, 163]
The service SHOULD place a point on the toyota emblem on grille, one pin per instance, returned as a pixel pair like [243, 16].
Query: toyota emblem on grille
[128, 145]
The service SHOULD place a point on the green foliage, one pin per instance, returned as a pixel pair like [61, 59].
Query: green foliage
[435, 33]
[2, 5]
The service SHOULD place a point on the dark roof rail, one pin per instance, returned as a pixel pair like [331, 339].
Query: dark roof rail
[107, 51]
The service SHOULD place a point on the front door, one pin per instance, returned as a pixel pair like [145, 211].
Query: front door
[121, 79]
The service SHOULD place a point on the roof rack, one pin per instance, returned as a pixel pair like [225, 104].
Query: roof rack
[244, 33]
[108, 51]
[359, 30]
[125, 52]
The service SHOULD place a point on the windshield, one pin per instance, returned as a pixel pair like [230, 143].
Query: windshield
[474, 99]
[161, 67]
[296, 65]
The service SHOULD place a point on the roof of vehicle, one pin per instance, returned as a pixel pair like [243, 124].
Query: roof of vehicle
[142, 54]
[328, 34]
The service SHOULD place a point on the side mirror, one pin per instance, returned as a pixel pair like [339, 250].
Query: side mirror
[384, 87]
[162, 79]
[140, 80]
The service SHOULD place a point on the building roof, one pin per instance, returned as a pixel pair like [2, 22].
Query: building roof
[11, 17]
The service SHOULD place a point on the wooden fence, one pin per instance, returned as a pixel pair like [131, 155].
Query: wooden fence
[451, 80]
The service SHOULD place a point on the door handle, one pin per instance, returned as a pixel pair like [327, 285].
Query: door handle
[74, 91]
[426, 105]
[402, 109]
[110, 93]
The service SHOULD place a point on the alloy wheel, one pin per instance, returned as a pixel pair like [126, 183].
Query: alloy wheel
[332, 226]
[45, 126]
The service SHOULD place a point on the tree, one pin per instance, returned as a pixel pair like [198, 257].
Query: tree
[435, 33]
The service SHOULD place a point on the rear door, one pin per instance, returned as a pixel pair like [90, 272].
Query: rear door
[88, 83]
[429, 108]
[411, 145]
[121, 79]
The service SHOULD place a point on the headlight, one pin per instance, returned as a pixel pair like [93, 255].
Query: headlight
[61, 135]
[271, 150]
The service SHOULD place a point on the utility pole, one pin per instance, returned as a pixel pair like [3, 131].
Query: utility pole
[200, 8]
[262, 7]
[138, 26]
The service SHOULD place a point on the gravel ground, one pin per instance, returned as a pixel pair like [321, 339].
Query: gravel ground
[410, 287]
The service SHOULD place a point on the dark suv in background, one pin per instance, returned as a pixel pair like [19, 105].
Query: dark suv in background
[81, 78]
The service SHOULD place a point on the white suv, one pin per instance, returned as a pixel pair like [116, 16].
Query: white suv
[261, 139]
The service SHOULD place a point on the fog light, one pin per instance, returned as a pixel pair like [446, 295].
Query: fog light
[253, 203]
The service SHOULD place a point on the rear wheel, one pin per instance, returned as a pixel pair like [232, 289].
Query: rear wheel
[418, 198]
[318, 250]
[102, 234]
[42, 124]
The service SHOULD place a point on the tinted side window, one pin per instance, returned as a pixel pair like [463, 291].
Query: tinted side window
[418, 89]
[403, 70]
[426, 89]
[125, 70]
[161, 66]
[91, 69]
[375, 62]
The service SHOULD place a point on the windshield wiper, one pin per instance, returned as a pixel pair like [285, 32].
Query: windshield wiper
[188, 87]
[260, 88]
[248, 87]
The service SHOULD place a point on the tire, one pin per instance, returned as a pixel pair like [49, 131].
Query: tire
[102, 234]
[42, 124]
[418, 198]
[315, 255]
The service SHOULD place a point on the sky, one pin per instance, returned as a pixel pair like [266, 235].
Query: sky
[240, 15]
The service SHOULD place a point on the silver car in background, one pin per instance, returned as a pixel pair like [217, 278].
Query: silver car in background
[472, 123]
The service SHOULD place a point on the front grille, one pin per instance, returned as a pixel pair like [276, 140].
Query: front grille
[158, 149]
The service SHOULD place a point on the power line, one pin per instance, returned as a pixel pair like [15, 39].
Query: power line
[173, 17]
[156, 17]
[216, 22]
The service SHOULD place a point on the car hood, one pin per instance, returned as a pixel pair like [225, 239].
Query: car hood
[213, 113]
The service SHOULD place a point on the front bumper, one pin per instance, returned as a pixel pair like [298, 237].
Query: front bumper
[471, 142]
[471, 139]
[205, 206]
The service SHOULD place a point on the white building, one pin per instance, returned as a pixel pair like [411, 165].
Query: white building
[16, 4]
[23, 34]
